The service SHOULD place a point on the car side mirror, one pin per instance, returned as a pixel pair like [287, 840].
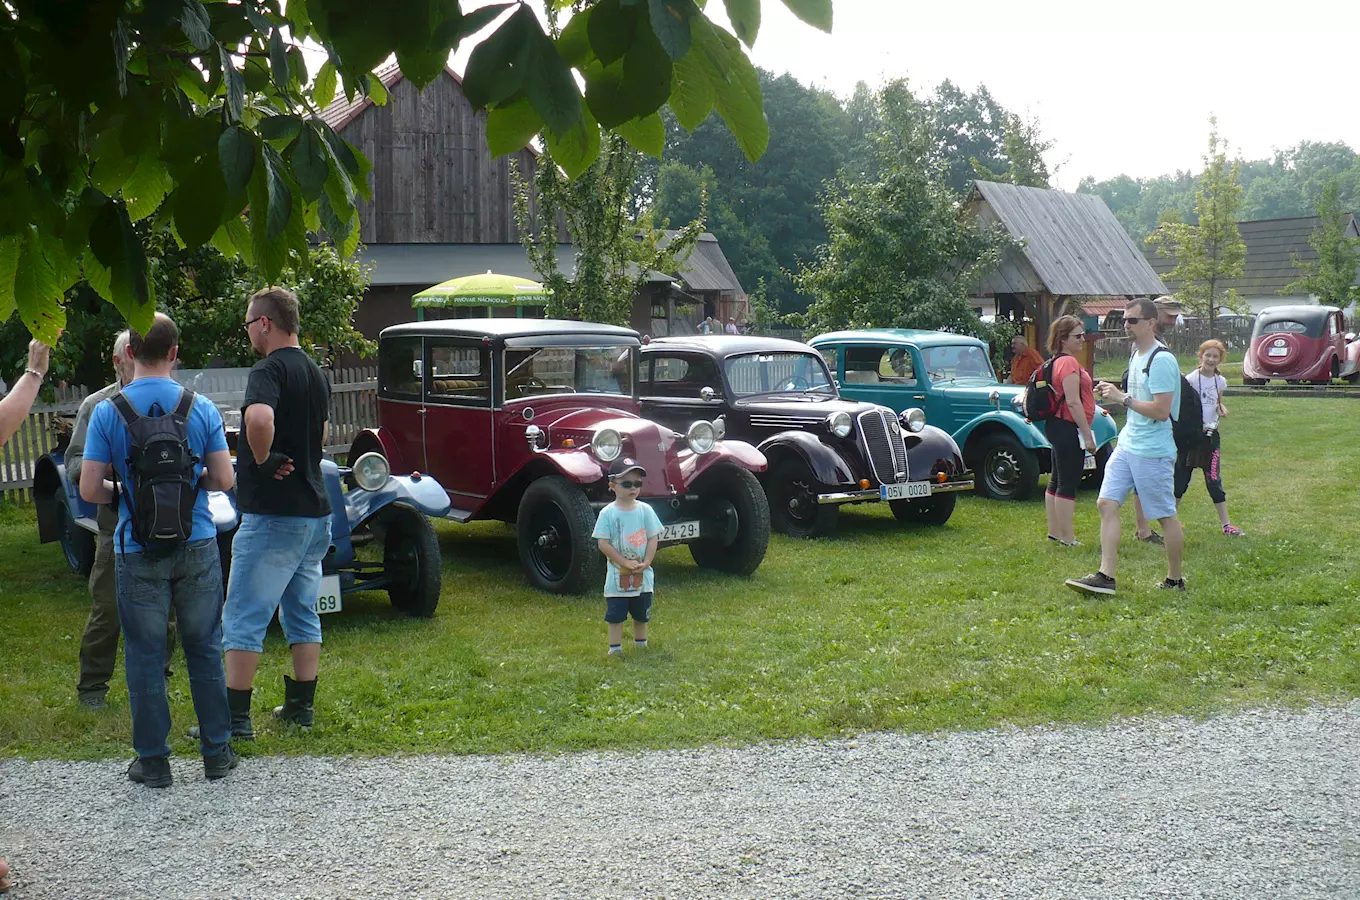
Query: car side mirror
[706, 394]
[1350, 336]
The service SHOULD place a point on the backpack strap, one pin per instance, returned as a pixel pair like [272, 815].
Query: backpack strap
[1147, 370]
[125, 409]
[185, 404]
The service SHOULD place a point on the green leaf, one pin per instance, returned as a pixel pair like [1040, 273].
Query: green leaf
[745, 18]
[270, 255]
[279, 128]
[578, 147]
[196, 24]
[337, 227]
[670, 24]
[146, 188]
[736, 90]
[236, 152]
[647, 134]
[112, 166]
[300, 16]
[452, 31]
[691, 91]
[612, 29]
[114, 246]
[323, 89]
[38, 290]
[280, 195]
[10, 246]
[310, 167]
[236, 86]
[573, 44]
[495, 69]
[377, 91]
[816, 13]
[199, 203]
[551, 88]
[297, 69]
[510, 128]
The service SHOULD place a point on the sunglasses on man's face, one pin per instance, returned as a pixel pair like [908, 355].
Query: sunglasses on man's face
[629, 484]
[1134, 320]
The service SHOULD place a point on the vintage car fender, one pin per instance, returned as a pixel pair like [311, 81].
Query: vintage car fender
[1104, 429]
[1027, 433]
[737, 453]
[379, 440]
[930, 450]
[423, 493]
[578, 465]
[51, 487]
[828, 466]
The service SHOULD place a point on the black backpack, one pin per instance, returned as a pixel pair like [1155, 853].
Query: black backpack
[1187, 421]
[163, 484]
[1041, 400]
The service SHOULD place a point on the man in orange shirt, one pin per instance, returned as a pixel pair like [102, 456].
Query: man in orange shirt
[1024, 360]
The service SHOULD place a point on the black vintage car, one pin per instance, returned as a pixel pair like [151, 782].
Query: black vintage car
[823, 451]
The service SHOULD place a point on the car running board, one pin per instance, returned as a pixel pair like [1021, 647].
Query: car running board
[458, 515]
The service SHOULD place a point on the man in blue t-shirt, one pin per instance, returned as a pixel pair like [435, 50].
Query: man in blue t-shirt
[188, 577]
[1145, 459]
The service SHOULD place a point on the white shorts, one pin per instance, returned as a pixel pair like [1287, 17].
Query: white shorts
[1154, 478]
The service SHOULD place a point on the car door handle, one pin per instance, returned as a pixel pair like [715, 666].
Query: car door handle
[421, 411]
[918, 396]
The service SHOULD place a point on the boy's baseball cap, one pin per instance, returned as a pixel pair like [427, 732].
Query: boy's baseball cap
[622, 466]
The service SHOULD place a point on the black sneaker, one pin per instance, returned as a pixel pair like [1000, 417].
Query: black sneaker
[1095, 583]
[218, 766]
[153, 771]
[94, 701]
[1168, 584]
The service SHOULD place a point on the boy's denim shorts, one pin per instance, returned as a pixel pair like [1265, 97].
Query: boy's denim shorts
[275, 565]
[617, 609]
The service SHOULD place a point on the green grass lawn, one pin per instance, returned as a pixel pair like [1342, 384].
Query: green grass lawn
[880, 628]
[1111, 369]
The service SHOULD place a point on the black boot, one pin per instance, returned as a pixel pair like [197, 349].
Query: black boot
[238, 702]
[298, 697]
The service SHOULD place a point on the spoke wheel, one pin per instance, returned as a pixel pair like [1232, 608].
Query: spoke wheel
[794, 510]
[1008, 470]
[554, 525]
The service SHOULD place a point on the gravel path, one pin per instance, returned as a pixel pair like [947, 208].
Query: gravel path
[1262, 804]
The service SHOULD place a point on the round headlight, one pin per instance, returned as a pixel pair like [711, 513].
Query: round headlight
[606, 445]
[913, 419]
[701, 437]
[840, 424]
[371, 471]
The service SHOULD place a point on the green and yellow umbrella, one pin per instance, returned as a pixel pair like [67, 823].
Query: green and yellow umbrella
[484, 290]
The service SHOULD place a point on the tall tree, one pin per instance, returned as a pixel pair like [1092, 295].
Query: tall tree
[1331, 278]
[900, 252]
[1210, 252]
[201, 119]
[615, 253]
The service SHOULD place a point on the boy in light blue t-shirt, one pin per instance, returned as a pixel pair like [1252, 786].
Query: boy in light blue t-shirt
[627, 532]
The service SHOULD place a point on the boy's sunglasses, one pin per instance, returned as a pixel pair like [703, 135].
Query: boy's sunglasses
[629, 484]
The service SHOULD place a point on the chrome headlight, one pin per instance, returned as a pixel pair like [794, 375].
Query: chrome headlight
[840, 424]
[913, 419]
[606, 445]
[701, 437]
[371, 471]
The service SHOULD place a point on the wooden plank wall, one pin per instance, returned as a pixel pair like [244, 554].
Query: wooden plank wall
[433, 178]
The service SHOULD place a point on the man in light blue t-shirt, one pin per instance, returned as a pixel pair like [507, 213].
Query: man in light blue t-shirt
[1145, 459]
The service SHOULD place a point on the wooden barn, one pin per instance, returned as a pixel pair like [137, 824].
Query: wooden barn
[1072, 250]
[443, 207]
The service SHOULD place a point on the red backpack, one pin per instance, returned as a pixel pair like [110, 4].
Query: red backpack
[1041, 399]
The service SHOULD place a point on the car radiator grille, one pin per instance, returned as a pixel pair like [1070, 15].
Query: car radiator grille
[883, 440]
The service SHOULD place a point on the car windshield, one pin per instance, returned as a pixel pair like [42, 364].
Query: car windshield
[568, 370]
[1291, 326]
[768, 373]
[958, 363]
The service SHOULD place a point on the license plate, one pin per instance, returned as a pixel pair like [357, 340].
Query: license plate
[1278, 351]
[680, 531]
[912, 490]
[1089, 463]
[328, 598]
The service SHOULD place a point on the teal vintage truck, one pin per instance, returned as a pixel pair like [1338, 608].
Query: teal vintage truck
[950, 377]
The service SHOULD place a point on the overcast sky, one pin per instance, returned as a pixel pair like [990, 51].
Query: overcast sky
[1119, 88]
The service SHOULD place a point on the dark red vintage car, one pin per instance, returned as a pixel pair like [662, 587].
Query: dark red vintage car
[1301, 343]
[519, 420]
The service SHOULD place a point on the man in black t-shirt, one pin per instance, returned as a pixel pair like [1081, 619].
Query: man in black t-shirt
[285, 512]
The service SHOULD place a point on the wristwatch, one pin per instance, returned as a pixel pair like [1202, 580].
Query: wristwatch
[1128, 398]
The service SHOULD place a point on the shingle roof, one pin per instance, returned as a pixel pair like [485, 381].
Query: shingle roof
[1073, 241]
[706, 268]
[341, 111]
[1271, 247]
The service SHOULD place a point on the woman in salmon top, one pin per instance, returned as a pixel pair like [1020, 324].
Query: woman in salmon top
[1070, 430]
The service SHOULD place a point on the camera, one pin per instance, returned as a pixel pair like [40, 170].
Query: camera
[1210, 430]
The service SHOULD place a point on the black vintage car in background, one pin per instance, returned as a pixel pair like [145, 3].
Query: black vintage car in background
[823, 451]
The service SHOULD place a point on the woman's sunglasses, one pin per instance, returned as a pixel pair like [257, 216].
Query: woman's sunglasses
[629, 484]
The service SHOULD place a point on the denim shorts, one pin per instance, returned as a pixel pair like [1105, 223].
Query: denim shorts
[617, 609]
[1153, 478]
[275, 565]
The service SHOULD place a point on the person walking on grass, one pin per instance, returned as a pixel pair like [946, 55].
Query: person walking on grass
[1070, 430]
[99, 643]
[1209, 385]
[1145, 457]
[285, 514]
[167, 448]
[627, 533]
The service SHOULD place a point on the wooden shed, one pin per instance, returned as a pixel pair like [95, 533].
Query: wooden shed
[1072, 248]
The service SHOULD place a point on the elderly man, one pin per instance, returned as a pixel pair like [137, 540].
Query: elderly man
[99, 644]
[1024, 360]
